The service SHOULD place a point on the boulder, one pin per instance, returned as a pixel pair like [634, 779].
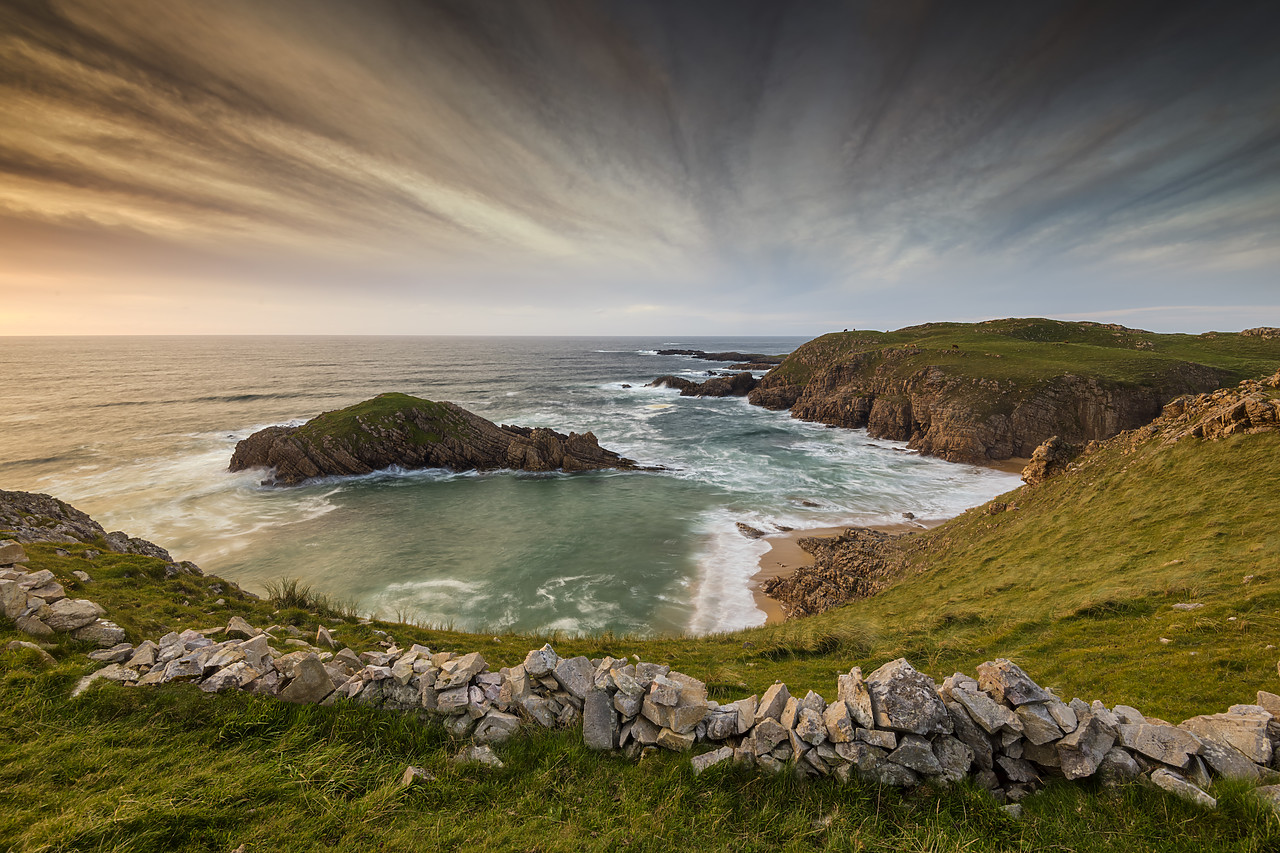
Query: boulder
[69, 614]
[916, 753]
[496, 727]
[11, 552]
[1038, 725]
[954, 757]
[811, 727]
[1243, 727]
[675, 741]
[773, 702]
[1118, 767]
[575, 675]
[13, 599]
[1083, 750]
[905, 700]
[993, 717]
[839, 722]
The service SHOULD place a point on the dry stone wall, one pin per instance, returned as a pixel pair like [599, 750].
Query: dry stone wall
[895, 726]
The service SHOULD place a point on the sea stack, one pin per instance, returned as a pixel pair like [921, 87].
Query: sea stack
[409, 432]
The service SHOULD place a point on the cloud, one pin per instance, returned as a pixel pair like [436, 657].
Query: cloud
[664, 153]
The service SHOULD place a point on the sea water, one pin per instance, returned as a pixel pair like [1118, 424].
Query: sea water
[138, 431]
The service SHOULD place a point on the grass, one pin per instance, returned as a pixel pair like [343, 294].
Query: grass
[393, 411]
[1076, 584]
[1017, 355]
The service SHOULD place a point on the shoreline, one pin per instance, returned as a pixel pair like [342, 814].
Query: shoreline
[785, 554]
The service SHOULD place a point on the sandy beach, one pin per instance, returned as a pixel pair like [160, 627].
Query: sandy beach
[785, 554]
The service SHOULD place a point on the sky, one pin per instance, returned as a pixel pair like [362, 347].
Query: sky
[618, 167]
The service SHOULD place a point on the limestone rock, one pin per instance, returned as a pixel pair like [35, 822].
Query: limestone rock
[33, 626]
[238, 627]
[905, 700]
[45, 657]
[992, 716]
[1050, 458]
[310, 684]
[710, 759]
[954, 757]
[1243, 727]
[1006, 682]
[1179, 786]
[11, 552]
[413, 776]
[1165, 744]
[1038, 726]
[852, 690]
[811, 727]
[119, 653]
[68, 614]
[496, 727]
[599, 721]
[575, 675]
[103, 632]
[971, 734]
[773, 702]
[459, 672]
[1118, 767]
[916, 753]
[478, 755]
[13, 599]
[1083, 750]
[839, 722]
[675, 741]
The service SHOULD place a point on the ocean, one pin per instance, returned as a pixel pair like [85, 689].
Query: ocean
[138, 431]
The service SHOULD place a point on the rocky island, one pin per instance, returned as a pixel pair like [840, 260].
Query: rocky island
[409, 432]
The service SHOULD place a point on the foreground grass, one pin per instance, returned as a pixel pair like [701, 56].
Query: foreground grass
[1077, 584]
[172, 769]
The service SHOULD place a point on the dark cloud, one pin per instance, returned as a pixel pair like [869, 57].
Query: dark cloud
[661, 153]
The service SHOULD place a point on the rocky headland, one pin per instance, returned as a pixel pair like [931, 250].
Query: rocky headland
[409, 432]
[737, 385]
[998, 389]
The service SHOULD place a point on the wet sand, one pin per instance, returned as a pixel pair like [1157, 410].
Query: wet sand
[785, 554]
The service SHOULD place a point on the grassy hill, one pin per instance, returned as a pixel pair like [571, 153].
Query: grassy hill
[1076, 585]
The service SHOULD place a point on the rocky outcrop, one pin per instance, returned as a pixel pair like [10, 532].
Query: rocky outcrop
[856, 564]
[976, 406]
[33, 517]
[896, 726]
[1252, 406]
[738, 385]
[1050, 458]
[408, 432]
[1267, 333]
[751, 357]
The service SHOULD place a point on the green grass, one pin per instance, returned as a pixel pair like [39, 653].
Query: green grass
[1016, 354]
[1076, 585]
[386, 411]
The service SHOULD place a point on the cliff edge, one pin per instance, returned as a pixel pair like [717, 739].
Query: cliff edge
[409, 432]
[976, 392]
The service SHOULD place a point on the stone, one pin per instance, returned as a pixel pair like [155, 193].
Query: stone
[876, 737]
[1017, 769]
[675, 741]
[36, 579]
[540, 709]
[325, 640]
[415, 776]
[45, 657]
[575, 676]
[811, 727]
[68, 614]
[644, 732]
[986, 712]
[1243, 727]
[745, 712]
[478, 755]
[766, 735]
[11, 552]
[1269, 794]
[237, 627]
[852, 690]
[691, 702]
[50, 592]
[839, 722]
[1165, 744]
[1038, 726]
[496, 727]
[1228, 762]
[905, 700]
[773, 702]
[119, 653]
[893, 774]
[310, 684]
[143, 656]
[814, 702]
[721, 724]
[954, 756]
[111, 672]
[599, 721]
[540, 662]
[1062, 715]
[453, 701]
[1179, 786]
[628, 705]
[1083, 750]
[459, 725]
[1006, 682]
[971, 735]
[916, 753]
[710, 759]
[13, 599]
[664, 691]
[83, 577]
[459, 672]
[1118, 767]
[1045, 755]
[1128, 715]
[790, 712]
[33, 626]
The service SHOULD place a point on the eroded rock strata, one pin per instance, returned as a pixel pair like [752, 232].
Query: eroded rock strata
[738, 385]
[1004, 391]
[409, 432]
[856, 564]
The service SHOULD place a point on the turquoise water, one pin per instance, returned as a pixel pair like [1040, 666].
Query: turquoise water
[138, 432]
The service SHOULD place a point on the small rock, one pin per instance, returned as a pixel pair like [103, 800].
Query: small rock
[1177, 785]
[709, 759]
[541, 661]
[238, 627]
[103, 632]
[45, 657]
[415, 776]
[478, 755]
[83, 577]
[69, 614]
[1187, 605]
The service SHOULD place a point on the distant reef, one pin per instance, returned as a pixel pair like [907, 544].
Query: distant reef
[409, 432]
[976, 392]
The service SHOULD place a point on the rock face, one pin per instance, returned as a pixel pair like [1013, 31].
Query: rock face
[738, 385]
[856, 564]
[33, 517]
[950, 403]
[1049, 458]
[408, 432]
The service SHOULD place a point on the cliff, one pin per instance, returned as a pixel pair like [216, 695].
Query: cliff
[409, 432]
[994, 390]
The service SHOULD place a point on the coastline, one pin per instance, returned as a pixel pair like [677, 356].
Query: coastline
[785, 554]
